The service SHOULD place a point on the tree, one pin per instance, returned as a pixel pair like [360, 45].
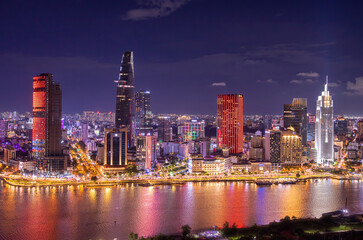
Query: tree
[186, 229]
[133, 236]
[131, 169]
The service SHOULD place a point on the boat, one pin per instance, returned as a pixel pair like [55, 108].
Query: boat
[263, 183]
[147, 184]
[289, 182]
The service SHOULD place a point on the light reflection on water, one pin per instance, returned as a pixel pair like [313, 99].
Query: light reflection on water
[76, 212]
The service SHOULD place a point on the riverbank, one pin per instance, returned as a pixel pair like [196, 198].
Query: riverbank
[265, 180]
[327, 227]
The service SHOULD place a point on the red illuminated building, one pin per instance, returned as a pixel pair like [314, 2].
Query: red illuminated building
[47, 132]
[230, 122]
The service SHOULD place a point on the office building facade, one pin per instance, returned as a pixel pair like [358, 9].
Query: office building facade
[115, 149]
[143, 118]
[230, 122]
[295, 115]
[47, 129]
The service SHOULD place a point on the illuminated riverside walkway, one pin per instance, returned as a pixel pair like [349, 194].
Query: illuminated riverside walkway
[34, 181]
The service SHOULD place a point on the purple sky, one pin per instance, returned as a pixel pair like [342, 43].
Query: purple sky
[186, 52]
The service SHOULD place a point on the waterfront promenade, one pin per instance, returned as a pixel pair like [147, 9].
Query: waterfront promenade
[22, 181]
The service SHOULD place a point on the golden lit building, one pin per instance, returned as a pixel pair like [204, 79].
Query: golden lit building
[291, 148]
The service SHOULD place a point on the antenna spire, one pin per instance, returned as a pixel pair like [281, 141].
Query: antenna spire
[326, 83]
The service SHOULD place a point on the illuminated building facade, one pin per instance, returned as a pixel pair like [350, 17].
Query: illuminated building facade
[295, 115]
[115, 149]
[324, 128]
[125, 97]
[3, 130]
[146, 150]
[291, 148]
[274, 148]
[143, 118]
[47, 130]
[230, 122]
[192, 130]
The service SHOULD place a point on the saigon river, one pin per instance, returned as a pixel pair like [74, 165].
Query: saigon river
[76, 212]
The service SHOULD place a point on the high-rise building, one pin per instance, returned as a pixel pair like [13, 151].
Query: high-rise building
[143, 118]
[125, 97]
[291, 148]
[295, 115]
[340, 126]
[164, 129]
[115, 149]
[360, 128]
[146, 150]
[311, 128]
[324, 128]
[47, 130]
[84, 133]
[275, 148]
[230, 122]
[193, 129]
[257, 151]
[3, 130]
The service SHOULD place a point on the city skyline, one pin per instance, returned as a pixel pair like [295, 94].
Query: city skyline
[269, 69]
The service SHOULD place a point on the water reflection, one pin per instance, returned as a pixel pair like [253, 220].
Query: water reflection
[75, 212]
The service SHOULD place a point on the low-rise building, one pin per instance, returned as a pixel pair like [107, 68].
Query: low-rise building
[211, 166]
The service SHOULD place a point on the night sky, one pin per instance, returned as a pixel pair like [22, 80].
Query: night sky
[186, 52]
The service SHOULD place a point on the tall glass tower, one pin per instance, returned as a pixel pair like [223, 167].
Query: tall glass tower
[125, 96]
[324, 128]
[143, 118]
[295, 115]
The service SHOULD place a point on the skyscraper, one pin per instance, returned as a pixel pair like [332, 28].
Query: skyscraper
[47, 130]
[295, 115]
[125, 97]
[143, 118]
[230, 122]
[324, 128]
[164, 129]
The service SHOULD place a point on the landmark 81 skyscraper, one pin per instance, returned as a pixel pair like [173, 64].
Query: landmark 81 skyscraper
[125, 97]
[324, 128]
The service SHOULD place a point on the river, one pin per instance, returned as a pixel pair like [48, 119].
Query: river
[70, 212]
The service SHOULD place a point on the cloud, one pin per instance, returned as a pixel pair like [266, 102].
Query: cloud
[270, 81]
[295, 81]
[218, 84]
[355, 88]
[333, 84]
[299, 81]
[308, 74]
[149, 9]
[324, 44]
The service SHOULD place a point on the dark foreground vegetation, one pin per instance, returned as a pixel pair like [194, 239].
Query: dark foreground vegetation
[324, 228]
